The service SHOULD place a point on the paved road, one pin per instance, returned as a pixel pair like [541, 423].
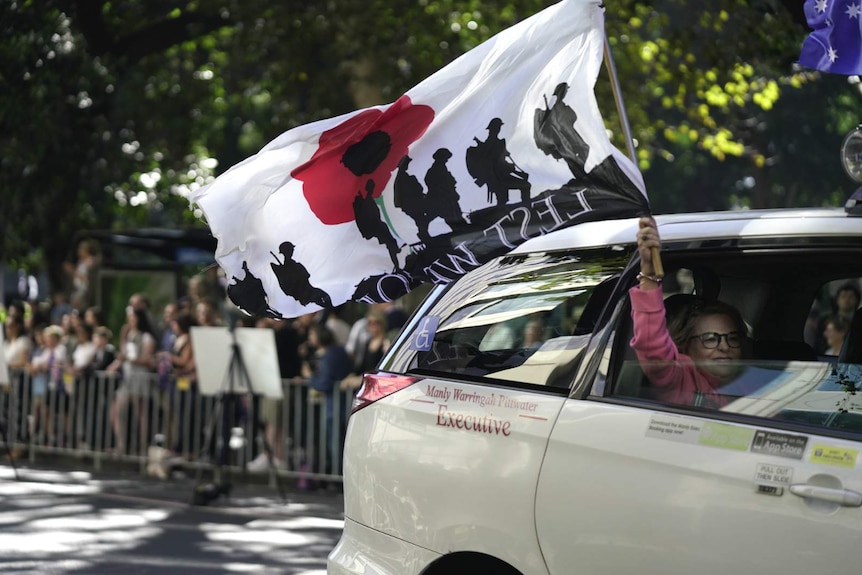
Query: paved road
[56, 522]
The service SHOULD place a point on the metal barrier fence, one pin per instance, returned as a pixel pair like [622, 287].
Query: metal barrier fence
[160, 424]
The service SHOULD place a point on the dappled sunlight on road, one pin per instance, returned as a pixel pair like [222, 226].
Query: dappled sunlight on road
[280, 540]
[66, 521]
[108, 519]
[52, 518]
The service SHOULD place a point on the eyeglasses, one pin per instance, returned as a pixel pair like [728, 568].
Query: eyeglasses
[712, 340]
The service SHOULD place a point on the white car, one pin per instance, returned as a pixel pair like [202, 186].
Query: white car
[478, 449]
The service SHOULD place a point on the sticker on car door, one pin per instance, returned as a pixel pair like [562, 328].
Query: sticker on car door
[773, 475]
[779, 444]
[838, 456]
[696, 432]
[425, 331]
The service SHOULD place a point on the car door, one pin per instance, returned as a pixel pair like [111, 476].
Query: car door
[630, 485]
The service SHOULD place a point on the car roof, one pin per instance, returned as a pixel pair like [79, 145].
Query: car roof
[703, 226]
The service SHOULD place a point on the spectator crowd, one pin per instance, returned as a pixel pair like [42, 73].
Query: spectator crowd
[65, 362]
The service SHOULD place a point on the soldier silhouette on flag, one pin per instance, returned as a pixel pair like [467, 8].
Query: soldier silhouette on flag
[555, 134]
[490, 163]
[370, 222]
[442, 194]
[410, 197]
[249, 295]
[294, 279]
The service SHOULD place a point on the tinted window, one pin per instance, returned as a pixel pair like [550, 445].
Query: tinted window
[523, 318]
[781, 376]
[816, 393]
[831, 314]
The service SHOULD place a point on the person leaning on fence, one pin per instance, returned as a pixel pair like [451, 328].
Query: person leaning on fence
[136, 362]
[17, 347]
[96, 416]
[38, 382]
[184, 372]
[332, 365]
[16, 344]
[46, 370]
[105, 353]
[80, 374]
[689, 363]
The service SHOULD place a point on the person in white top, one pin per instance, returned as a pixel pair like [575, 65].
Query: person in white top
[16, 344]
[136, 358]
[85, 349]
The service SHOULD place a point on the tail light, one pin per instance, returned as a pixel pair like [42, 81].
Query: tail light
[377, 386]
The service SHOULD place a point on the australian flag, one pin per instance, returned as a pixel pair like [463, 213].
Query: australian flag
[835, 45]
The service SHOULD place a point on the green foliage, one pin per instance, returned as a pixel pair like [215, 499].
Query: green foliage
[722, 116]
[113, 111]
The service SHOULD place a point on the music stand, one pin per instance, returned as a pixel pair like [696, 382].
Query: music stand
[236, 380]
[4, 434]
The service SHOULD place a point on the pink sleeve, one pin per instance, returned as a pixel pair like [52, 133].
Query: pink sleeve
[673, 375]
[651, 340]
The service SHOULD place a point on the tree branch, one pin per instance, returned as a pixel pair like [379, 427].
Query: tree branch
[159, 36]
[152, 38]
[89, 20]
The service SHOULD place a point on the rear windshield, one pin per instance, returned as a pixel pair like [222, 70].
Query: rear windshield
[522, 318]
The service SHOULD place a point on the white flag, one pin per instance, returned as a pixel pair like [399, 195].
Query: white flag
[503, 144]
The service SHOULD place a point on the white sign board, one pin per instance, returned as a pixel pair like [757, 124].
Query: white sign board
[215, 356]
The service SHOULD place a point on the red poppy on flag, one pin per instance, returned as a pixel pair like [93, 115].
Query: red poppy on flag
[367, 146]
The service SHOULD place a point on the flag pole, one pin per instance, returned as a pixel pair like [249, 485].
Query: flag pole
[627, 132]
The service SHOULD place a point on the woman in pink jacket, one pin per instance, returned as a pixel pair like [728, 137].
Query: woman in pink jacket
[688, 363]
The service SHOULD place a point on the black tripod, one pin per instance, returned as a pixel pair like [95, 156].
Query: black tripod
[236, 380]
[5, 436]
[4, 432]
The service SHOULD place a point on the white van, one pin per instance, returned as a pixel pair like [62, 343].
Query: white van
[511, 430]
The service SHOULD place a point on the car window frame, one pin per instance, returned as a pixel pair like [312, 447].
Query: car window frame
[393, 361]
[592, 385]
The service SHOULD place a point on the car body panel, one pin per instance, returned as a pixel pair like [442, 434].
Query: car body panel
[681, 494]
[458, 491]
[363, 551]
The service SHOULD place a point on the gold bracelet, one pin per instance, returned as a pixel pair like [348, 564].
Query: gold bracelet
[654, 279]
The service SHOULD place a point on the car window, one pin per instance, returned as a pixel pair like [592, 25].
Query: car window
[824, 394]
[830, 315]
[783, 381]
[520, 318]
